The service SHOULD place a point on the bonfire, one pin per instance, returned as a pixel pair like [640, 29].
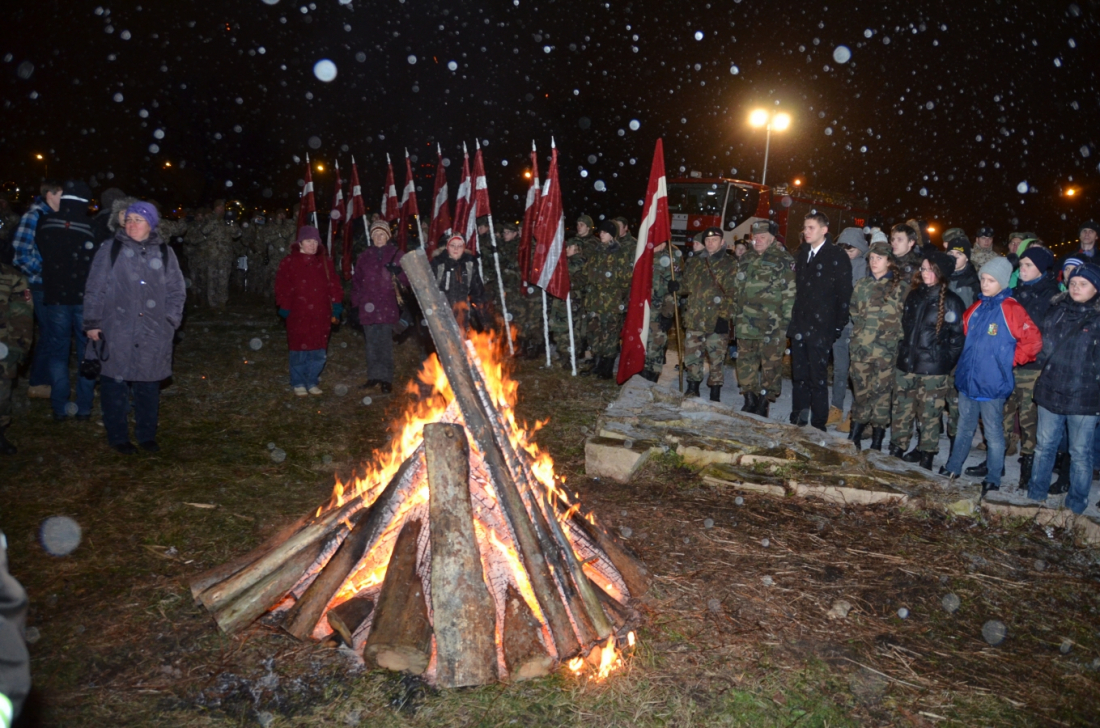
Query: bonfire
[457, 555]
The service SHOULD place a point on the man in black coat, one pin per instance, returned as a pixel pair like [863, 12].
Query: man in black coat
[823, 280]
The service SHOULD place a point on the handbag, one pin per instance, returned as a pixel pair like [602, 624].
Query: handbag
[91, 367]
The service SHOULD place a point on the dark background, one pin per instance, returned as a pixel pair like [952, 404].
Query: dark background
[943, 112]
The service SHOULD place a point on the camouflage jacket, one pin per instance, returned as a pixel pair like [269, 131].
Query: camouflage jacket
[909, 265]
[876, 311]
[765, 293]
[607, 283]
[219, 240]
[981, 256]
[709, 286]
[16, 319]
[662, 302]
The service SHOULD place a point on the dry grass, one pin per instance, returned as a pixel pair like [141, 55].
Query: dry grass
[122, 644]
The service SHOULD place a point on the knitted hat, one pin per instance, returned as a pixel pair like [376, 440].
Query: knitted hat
[607, 226]
[1042, 258]
[1090, 272]
[879, 237]
[999, 268]
[586, 220]
[959, 243]
[145, 210]
[308, 232]
[1075, 262]
[881, 247]
[379, 225]
[946, 264]
[1090, 225]
[853, 237]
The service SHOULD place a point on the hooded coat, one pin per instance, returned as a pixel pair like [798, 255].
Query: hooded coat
[307, 286]
[137, 301]
[1070, 360]
[999, 336]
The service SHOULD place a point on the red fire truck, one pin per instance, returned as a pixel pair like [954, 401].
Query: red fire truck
[697, 203]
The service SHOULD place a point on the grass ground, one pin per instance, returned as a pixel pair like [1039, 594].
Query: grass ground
[119, 641]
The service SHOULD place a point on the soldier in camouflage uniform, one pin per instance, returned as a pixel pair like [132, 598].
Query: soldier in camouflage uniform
[764, 297]
[218, 255]
[524, 305]
[662, 308]
[577, 250]
[877, 304]
[16, 335]
[710, 279]
[606, 291]
[905, 243]
[624, 238]
[983, 251]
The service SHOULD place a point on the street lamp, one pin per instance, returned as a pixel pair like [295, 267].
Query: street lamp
[45, 165]
[779, 122]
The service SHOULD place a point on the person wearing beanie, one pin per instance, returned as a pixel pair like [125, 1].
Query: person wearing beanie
[983, 247]
[932, 340]
[1068, 389]
[309, 296]
[374, 294]
[577, 251]
[1069, 265]
[999, 336]
[456, 274]
[854, 243]
[133, 304]
[606, 291]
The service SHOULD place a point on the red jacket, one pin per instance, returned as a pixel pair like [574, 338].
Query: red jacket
[307, 286]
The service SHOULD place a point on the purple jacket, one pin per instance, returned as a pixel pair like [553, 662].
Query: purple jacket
[372, 291]
[138, 303]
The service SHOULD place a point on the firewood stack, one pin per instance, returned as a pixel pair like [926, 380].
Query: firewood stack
[464, 568]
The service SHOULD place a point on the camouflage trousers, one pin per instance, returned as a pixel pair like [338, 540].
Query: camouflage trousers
[1021, 402]
[872, 392]
[559, 324]
[700, 347]
[216, 278]
[760, 366]
[5, 402]
[655, 347]
[603, 333]
[921, 397]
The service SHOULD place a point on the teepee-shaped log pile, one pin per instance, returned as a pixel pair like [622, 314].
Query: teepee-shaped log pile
[465, 567]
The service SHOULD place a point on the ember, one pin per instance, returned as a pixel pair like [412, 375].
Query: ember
[456, 555]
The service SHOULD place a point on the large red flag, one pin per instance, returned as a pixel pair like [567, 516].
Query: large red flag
[356, 210]
[655, 230]
[463, 202]
[390, 210]
[409, 208]
[549, 265]
[336, 214]
[530, 216]
[307, 203]
[441, 215]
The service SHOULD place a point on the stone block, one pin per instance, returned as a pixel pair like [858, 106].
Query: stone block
[609, 458]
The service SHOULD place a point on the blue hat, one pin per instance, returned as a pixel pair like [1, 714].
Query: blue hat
[1075, 262]
[147, 211]
[1090, 272]
[1042, 258]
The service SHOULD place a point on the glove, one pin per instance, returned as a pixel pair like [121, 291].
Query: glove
[665, 322]
[283, 313]
[393, 268]
[722, 326]
[673, 286]
[337, 310]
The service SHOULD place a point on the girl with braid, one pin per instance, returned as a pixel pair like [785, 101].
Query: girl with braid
[932, 340]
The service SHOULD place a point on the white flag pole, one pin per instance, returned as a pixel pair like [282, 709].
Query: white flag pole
[500, 285]
[546, 327]
[572, 344]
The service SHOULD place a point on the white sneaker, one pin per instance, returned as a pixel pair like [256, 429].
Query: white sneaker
[300, 391]
[315, 389]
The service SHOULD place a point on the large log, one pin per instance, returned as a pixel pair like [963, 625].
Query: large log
[348, 616]
[462, 608]
[210, 577]
[524, 654]
[452, 356]
[307, 612]
[633, 572]
[400, 637]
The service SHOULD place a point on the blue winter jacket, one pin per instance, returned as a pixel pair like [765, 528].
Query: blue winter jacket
[999, 334]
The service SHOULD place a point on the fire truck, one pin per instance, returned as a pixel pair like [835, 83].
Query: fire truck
[697, 203]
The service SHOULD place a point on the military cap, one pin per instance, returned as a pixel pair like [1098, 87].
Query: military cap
[881, 248]
[586, 220]
[712, 231]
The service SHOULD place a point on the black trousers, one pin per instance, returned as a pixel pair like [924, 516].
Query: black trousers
[809, 375]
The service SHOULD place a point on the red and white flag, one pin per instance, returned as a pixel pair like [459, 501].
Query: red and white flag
[307, 203]
[463, 203]
[549, 265]
[530, 216]
[441, 214]
[390, 208]
[409, 208]
[336, 214]
[356, 210]
[655, 230]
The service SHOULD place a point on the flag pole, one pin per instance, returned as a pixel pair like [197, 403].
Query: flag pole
[500, 283]
[676, 315]
[572, 345]
[315, 197]
[420, 232]
[545, 327]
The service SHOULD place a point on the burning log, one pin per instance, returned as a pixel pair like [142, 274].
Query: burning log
[346, 618]
[452, 354]
[524, 654]
[632, 571]
[462, 608]
[220, 573]
[401, 636]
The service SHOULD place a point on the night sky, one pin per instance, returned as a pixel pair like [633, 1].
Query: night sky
[961, 113]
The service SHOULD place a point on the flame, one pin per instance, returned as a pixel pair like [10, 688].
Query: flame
[610, 659]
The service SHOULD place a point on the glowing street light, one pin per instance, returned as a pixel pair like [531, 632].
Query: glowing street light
[763, 118]
[320, 167]
[1070, 192]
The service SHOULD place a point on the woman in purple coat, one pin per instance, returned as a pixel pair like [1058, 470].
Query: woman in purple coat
[374, 294]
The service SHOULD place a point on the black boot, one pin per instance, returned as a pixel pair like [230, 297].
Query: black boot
[716, 393]
[751, 402]
[897, 450]
[6, 448]
[762, 405]
[856, 435]
[978, 471]
[878, 434]
[651, 375]
[1061, 485]
[1026, 461]
[593, 367]
[926, 459]
[607, 368]
[692, 389]
[913, 456]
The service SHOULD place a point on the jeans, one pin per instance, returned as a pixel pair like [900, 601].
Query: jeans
[379, 341]
[40, 366]
[62, 323]
[1082, 431]
[841, 363]
[992, 412]
[114, 397]
[305, 367]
